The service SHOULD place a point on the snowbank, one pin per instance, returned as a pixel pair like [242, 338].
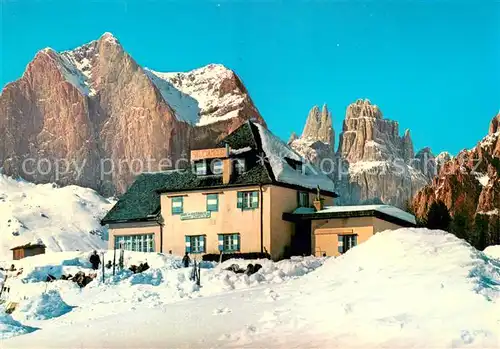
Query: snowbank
[493, 251]
[10, 327]
[165, 282]
[44, 306]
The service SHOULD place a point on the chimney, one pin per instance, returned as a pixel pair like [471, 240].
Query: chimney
[318, 202]
[227, 170]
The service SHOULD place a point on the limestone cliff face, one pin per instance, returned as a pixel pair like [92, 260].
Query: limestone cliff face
[470, 182]
[94, 117]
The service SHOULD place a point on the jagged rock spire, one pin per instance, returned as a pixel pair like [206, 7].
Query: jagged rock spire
[319, 126]
[407, 149]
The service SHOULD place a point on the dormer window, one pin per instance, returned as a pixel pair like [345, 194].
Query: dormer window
[216, 166]
[208, 167]
[295, 164]
[200, 168]
[239, 165]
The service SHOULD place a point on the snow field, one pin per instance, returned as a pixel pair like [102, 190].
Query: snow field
[164, 283]
[406, 288]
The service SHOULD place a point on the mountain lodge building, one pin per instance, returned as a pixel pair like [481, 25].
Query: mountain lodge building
[250, 194]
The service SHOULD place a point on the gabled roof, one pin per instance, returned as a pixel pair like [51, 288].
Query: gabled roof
[142, 201]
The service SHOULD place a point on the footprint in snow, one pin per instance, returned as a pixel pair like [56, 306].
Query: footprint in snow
[221, 311]
[271, 295]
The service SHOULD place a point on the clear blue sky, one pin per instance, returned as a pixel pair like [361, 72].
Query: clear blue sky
[432, 65]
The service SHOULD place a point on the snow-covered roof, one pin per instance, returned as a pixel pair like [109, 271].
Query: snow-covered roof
[385, 209]
[277, 152]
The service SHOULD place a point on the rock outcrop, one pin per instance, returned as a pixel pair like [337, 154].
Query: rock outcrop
[318, 137]
[319, 126]
[373, 162]
[425, 162]
[94, 117]
[468, 183]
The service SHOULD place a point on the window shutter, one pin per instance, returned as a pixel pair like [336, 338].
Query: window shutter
[240, 200]
[188, 244]
[255, 199]
[341, 244]
[354, 240]
[221, 242]
[202, 243]
[213, 202]
[236, 241]
[177, 205]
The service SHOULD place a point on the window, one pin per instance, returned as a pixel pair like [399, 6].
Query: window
[347, 242]
[248, 200]
[200, 168]
[216, 166]
[229, 242]
[177, 205]
[213, 202]
[295, 164]
[303, 199]
[239, 165]
[195, 244]
[138, 243]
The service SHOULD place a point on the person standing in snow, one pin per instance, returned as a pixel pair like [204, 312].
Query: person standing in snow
[95, 260]
[186, 260]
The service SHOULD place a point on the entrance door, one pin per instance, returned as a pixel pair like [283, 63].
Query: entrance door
[301, 240]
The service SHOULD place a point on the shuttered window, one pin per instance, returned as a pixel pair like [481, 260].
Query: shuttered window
[346, 242]
[303, 199]
[229, 242]
[177, 205]
[216, 167]
[200, 168]
[195, 243]
[213, 202]
[248, 200]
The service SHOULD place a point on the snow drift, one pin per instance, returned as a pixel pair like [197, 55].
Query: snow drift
[44, 306]
[493, 251]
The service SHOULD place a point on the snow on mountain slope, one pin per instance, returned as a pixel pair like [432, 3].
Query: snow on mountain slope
[406, 288]
[64, 219]
[197, 96]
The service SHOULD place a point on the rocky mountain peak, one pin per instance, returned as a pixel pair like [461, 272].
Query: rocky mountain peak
[366, 136]
[495, 124]
[363, 108]
[95, 102]
[375, 161]
[292, 138]
[318, 126]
